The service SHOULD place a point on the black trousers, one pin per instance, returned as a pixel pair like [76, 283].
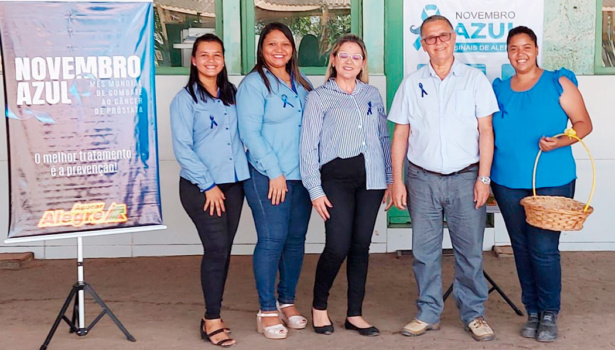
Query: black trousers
[348, 231]
[217, 234]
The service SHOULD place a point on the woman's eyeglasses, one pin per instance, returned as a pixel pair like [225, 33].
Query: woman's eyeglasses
[430, 40]
[355, 56]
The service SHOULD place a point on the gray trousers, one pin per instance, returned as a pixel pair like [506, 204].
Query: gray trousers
[431, 197]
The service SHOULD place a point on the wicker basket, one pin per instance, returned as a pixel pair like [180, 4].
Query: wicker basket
[558, 213]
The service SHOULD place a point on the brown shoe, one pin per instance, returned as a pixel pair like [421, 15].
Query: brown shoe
[417, 327]
[480, 330]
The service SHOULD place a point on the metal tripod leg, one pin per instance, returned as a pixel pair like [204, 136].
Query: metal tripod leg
[88, 288]
[60, 317]
[494, 286]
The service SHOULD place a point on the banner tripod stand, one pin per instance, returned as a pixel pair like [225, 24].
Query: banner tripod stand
[494, 287]
[78, 292]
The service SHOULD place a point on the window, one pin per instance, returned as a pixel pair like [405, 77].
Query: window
[177, 24]
[315, 24]
[605, 31]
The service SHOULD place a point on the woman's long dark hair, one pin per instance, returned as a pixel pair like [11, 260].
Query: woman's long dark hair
[227, 89]
[292, 67]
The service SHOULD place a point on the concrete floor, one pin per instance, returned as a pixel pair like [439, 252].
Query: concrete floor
[160, 303]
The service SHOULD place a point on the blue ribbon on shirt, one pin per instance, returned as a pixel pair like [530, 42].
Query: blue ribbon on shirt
[213, 122]
[285, 100]
[502, 110]
[423, 92]
[369, 109]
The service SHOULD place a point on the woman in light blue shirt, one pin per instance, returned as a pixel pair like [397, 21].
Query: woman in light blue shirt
[346, 167]
[270, 104]
[213, 168]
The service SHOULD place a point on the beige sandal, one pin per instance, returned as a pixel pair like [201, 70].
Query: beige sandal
[277, 331]
[294, 322]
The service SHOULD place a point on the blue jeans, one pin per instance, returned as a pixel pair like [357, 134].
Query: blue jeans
[536, 250]
[281, 233]
[431, 197]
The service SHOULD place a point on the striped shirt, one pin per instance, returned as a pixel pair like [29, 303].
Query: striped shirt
[341, 125]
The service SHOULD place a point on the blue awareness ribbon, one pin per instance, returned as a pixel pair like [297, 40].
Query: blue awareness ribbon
[502, 110]
[285, 100]
[213, 122]
[423, 92]
[424, 15]
[369, 109]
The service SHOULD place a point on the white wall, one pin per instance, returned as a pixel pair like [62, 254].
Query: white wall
[180, 237]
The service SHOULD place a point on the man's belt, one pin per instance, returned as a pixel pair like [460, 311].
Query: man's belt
[467, 169]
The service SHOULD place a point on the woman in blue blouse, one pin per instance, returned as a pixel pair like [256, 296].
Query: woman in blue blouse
[346, 167]
[213, 168]
[270, 104]
[535, 104]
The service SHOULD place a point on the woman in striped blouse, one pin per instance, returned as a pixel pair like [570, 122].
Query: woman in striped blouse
[346, 167]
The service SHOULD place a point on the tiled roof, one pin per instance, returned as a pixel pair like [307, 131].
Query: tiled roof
[300, 5]
[205, 7]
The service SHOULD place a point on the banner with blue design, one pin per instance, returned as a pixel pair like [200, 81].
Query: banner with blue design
[80, 118]
[481, 27]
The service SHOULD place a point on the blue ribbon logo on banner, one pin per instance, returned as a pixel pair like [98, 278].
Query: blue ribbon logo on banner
[429, 10]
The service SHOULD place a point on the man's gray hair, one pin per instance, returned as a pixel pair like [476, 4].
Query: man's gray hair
[433, 19]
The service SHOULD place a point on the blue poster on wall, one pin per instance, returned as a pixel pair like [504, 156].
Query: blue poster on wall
[80, 117]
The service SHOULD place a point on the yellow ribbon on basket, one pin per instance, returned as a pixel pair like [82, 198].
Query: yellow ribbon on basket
[571, 133]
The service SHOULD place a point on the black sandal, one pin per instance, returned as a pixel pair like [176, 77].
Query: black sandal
[222, 343]
[226, 329]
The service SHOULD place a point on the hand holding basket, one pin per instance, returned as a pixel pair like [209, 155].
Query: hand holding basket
[558, 213]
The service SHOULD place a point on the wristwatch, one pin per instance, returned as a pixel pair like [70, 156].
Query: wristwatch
[484, 179]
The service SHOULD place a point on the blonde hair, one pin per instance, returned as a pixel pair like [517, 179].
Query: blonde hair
[347, 38]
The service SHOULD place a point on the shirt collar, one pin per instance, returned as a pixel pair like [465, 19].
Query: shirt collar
[292, 78]
[195, 87]
[457, 70]
[332, 84]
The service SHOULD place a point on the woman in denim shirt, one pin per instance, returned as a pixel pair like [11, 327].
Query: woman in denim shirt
[270, 104]
[213, 167]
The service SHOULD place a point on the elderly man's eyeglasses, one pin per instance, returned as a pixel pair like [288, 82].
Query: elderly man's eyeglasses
[355, 56]
[431, 40]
